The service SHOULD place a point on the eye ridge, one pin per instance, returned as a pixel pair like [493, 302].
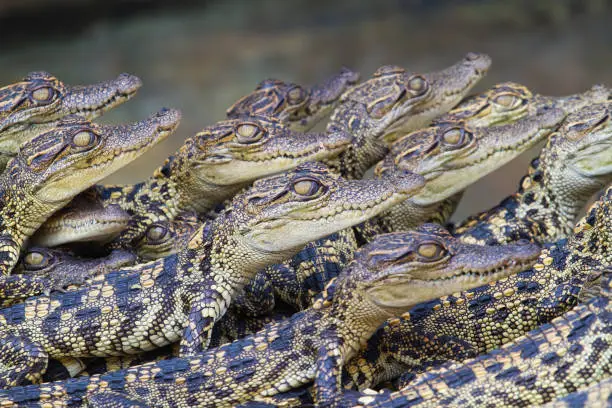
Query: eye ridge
[156, 232]
[431, 251]
[35, 260]
[79, 141]
[43, 99]
[248, 132]
[306, 186]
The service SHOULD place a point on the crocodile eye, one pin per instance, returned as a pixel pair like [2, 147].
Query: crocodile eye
[156, 232]
[35, 260]
[43, 95]
[306, 187]
[508, 101]
[455, 137]
[248, 133]
[84, 138]
[296, 95]
[418, 85]
[431, 251]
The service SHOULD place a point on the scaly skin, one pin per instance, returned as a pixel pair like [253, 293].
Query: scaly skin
[209, 168]
[84, 216]
[478, 151]
[508, 101]
[154, 304]
[63, 269]
[300, 108]
[165, 238]
[466, 324]
[453, 155]
[393, 272]
[394, 101]
[571, 352]
[598, 395]
[35, 105]
[575, 163]
[54, 167]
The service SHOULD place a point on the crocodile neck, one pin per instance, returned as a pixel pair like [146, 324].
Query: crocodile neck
[537, 211]
[365, 151]
[482, 319]
[20, 215]
[406, 216]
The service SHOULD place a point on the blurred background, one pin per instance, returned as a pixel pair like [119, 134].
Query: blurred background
[201, 56]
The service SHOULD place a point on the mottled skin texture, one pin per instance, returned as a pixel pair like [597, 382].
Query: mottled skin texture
[65, 270]
[183, 295]
[391, 273]
[397, 100]
[53, 168]
[571, 352]
[209, 168]
[598, 395]
[35, 104]
[575, 163]
[85, 215]
[300, 108]
[392, 99]
[451, 156]
[469, 323]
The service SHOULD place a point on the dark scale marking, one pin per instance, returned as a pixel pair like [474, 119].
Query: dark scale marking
[508, 373]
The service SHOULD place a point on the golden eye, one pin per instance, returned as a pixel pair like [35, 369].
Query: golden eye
[306, 187]
[83, 138]
[156, 232]
[417, 84]
[248, 133]
[454, 136]
[44, 94]
[507, 101]
[296, 95]
[35, 259]
[431, 250]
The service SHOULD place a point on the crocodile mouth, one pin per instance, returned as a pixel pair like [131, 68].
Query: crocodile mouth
[114, 100]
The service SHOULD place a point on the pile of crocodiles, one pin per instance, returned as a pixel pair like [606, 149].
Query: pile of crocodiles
[262, 265]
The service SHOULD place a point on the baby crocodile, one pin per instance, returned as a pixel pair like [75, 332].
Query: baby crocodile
[84, 216]
[452, 155]
[182, 296]
[300, 108]
[393, 101]
[393, 272]
[54, 167]
[575, 163]
[35, 104]
[472, 322]
[63, 269]
[571, 352]
[209, 168]
[473, 152]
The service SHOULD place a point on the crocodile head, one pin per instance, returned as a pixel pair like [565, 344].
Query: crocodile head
[280, 214]
[442, 91]
[577, 160]
[508, 102]
[504, 103]
[54, 167]
[300, 108]
[62, 268]
[84, 218]
[35, 104]
[217, 162]
[452, 155]
[399, 270]
[168, 237]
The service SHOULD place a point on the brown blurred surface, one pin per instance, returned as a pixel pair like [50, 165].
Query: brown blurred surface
[201, 58]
